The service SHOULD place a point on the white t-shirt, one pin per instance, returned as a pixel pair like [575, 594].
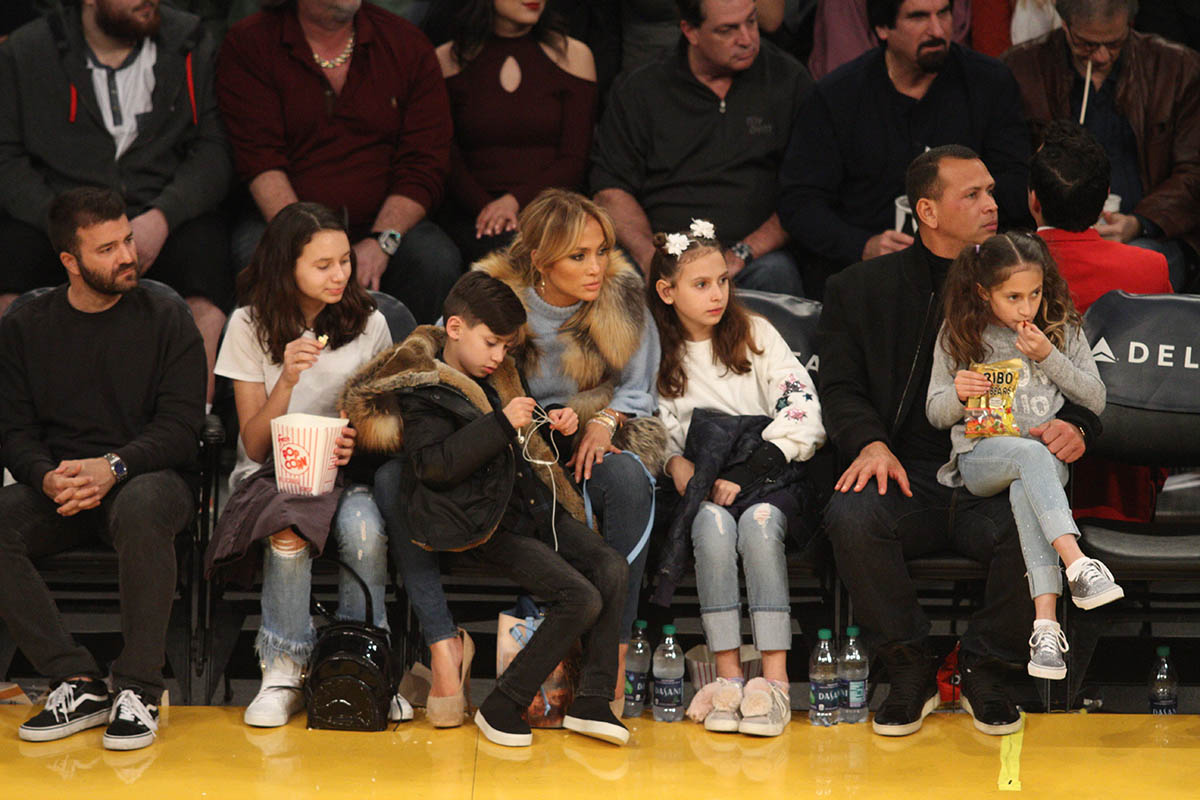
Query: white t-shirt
[242, 358]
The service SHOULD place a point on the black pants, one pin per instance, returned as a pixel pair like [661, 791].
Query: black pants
[873, 535]
[194, 260]
[140, 519]
[584, 586]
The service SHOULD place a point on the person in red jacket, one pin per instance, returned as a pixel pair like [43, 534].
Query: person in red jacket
[1068, 183]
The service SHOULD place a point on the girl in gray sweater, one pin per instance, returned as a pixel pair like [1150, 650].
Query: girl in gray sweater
[1005, 301]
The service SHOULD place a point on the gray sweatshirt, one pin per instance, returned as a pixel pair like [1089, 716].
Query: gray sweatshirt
[1069, 373]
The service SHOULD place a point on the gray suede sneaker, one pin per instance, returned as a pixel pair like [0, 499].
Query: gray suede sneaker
[1094, 585]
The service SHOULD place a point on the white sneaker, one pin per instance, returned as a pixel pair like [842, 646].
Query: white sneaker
[280, 696]
[400, 710]
[766, 709]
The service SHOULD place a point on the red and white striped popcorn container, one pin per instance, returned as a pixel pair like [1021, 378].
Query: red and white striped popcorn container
[304, 459]
[702, 664]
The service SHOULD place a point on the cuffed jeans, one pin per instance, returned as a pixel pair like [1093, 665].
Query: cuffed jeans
[583, 584]
[287, 627]
[873, 535]
[140, 519]
[758, 536]
[1034, 478]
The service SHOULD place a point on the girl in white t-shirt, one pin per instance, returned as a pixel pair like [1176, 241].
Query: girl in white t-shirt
[306, 327]
[717, 357]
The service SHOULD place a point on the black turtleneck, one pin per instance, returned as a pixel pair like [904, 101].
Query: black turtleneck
[916, 439]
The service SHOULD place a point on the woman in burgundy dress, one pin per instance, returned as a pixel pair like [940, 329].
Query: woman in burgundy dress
[523, 96]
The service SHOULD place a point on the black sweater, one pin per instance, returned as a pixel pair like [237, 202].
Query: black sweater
[128, 380]
[876, 337]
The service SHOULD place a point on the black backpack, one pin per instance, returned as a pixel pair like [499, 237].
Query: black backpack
[351, 680]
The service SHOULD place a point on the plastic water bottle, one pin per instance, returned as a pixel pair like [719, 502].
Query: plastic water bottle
[668, 678]
[637, 665]
[1164, 684]
[852, 679]
[823, 689]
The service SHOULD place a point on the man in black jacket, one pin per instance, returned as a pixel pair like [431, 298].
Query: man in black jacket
[877, 333]
[863, 123]
[101, 404]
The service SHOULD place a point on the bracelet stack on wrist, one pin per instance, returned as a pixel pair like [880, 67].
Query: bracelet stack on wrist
[606, 420]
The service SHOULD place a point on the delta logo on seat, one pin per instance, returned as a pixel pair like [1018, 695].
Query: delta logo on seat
[1161, 355]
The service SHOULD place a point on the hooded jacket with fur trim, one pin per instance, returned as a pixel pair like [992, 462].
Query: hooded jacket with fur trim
[600, 340]
[461, 466]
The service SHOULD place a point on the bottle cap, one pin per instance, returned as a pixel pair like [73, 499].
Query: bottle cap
[1163, 651]
[824, 633]
[668, 630]
[852, 630]
[640, 623]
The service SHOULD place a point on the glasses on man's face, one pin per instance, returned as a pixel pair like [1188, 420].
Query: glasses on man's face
[1086, 46]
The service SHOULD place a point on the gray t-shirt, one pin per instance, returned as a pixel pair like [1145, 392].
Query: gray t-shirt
[1069, 373]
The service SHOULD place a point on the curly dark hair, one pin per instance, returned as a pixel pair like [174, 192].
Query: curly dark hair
[988, 265]
[732, 339]
[268, 284]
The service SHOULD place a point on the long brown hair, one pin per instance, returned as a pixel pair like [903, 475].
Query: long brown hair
[988, 265]
[268, 284]
[732, 341]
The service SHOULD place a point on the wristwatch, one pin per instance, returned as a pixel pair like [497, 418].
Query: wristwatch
[119, 470]
[389, 241]
[742, 251]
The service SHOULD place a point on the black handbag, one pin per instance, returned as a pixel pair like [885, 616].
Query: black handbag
[351, 680]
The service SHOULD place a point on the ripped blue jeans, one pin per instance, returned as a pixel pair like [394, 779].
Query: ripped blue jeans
[758, 537]
[287, 627]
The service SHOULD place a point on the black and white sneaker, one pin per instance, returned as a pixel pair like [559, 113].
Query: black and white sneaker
[592, 716]
[73, 706]
[914, 690]
[985, 699]
[133, 723]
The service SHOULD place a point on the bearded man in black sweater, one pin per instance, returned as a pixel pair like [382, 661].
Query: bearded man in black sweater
[101, 404]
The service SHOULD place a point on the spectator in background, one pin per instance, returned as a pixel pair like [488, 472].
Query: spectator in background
[101, 404]
[1143, 105]
[342, 103]
[863, 124]
[997, 25]
[118, 93]
[842, 32]
[700, 135]
[1068, 184]
[523, 98]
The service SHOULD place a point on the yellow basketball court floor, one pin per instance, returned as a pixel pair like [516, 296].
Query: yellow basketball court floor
[206, 752]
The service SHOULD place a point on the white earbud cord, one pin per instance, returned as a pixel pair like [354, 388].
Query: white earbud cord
[541, 418]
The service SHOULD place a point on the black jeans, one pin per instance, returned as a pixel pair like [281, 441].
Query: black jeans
[873, 535]
[140, 519]
[584, 586]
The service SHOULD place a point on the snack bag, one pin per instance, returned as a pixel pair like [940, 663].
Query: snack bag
[992, 414]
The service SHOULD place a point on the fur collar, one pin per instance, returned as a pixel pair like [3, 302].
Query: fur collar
[369, 400]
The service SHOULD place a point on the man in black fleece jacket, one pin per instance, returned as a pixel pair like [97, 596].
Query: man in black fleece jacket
[876, 338]
[101, 405]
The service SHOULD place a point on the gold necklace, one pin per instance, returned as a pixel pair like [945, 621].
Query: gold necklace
[342, 57]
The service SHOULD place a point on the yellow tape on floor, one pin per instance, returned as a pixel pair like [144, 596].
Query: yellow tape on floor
[1010, 760]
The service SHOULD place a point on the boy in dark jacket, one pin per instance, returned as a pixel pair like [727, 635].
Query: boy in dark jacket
[474, 475]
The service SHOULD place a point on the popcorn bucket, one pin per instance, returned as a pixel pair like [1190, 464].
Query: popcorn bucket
[304, 459]
[702, 664]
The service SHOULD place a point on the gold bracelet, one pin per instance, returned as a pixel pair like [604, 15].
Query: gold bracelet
[606, 422]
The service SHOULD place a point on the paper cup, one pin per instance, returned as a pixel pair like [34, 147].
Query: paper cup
[904, 223]
[1112, 204]
[702, 664]
[304, 459]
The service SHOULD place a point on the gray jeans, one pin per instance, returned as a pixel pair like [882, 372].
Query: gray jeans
[758, 537]
[1034, 478]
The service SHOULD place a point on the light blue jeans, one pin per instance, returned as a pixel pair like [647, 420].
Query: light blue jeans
[1035, 479]
[758, 537]
[287, 627]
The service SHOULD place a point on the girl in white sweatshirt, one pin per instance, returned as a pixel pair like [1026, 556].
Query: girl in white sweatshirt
[718, 357]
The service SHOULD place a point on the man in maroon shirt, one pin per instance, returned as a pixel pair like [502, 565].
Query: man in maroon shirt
[343, 103]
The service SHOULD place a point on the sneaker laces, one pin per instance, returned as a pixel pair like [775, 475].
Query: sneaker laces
[130, 708]
[1093, 571]
[1043, 640]
[907, 675]
[61, 700]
